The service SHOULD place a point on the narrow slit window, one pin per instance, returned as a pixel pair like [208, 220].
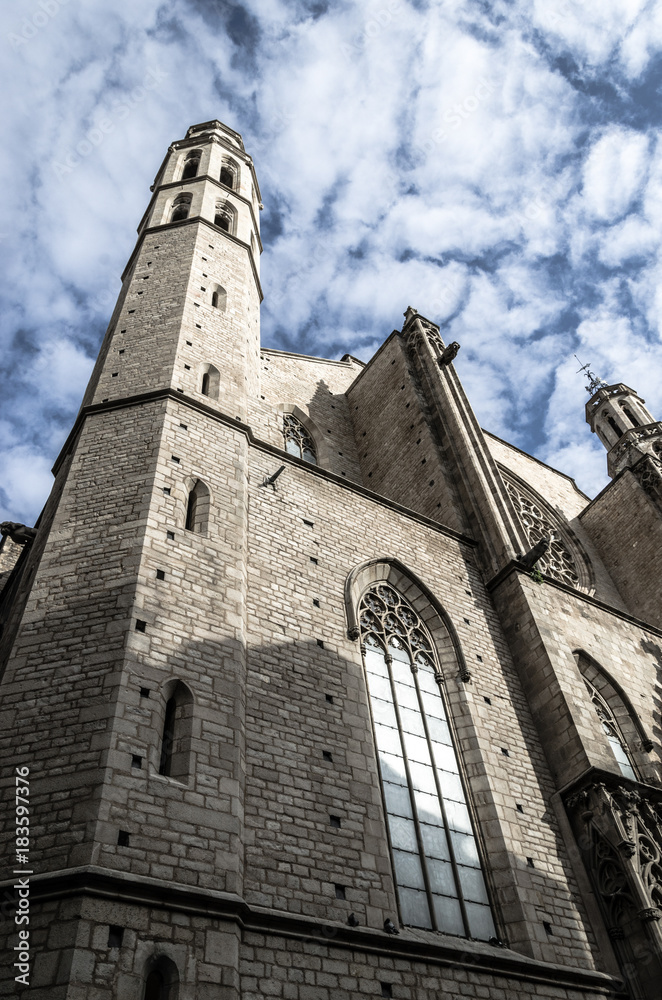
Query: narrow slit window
[219, 298]
[297, 440]
[197, 508]
[436, 862]
[176, 737]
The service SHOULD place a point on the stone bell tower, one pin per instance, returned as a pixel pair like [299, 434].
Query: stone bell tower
[627, 516]
[132, 595]
[191, 290]
[624, 425]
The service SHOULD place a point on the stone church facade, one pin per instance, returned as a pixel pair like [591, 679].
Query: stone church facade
[322, 690]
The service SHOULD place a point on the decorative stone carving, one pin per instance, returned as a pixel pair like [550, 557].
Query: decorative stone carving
[556, 559]
[649, 474]
[448, 354]
[21, 534]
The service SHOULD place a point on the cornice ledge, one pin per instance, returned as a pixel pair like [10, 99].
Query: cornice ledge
[282, 456]
[104, 883]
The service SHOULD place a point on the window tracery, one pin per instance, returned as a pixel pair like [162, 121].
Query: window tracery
[437, 868]
[298, 441]
[612, 731]
[557, 561]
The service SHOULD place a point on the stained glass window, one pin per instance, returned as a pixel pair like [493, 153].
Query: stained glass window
[612, 731]
[436, 863]
[297, 439]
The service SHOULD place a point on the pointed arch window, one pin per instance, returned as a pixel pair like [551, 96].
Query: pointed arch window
[191, 164]
[210, 382]
[162, 980]
[225, 217]
[180, 208]
[438, 873]
[176, 737]
[229, 174]
[297, 439]
[630, 415]
[197, 508]
[612, 731]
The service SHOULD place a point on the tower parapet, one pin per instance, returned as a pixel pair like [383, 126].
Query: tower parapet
[620, 418]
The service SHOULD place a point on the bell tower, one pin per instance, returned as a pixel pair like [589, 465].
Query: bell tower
[187, 317]
[618, 415]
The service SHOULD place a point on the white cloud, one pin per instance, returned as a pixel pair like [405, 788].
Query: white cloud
[454, 158]
[614, 173]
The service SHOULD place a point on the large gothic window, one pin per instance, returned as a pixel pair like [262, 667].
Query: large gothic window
[612, 731]
[438, 872]
[297, 439]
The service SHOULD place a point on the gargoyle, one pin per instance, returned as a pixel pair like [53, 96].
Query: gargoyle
[448, 354]
[19, 533]
[537, 552]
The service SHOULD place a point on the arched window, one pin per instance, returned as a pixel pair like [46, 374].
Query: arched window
[225, 216]
[191, 164]
[612, 731]
[219, 298]
[197, 508]
[176, 738]
[437, 868]
[229, 174]
[161, 980]
[180, 208]
[297, 439]
[630, 415]
[210, 384]
[612, 423]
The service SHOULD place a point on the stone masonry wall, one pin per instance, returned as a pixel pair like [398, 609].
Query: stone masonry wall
[626, 527]
[400, 457]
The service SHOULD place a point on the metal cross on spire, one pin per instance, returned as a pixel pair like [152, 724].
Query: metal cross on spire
[594, 383]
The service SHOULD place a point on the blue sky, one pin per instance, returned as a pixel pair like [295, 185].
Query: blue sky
[498, 166]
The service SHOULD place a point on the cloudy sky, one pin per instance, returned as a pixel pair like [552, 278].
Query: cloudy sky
[496, 165]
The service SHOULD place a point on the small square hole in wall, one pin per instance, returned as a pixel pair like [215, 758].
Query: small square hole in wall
[131, 311]
[166, 490]
[185, 426]
[387, 989]
[469, 593]
[187, 367]
[123, 838]
[114, 374]
[140, 625]
[160, 574]
[334, 821]
[519, 807]
[479, 658]
[316, 602]
[505, 752]
[310, 524]
[313, 560]
[204, 258]
[121, 351]
[175, 459]
[486, 699]
[466, 621]
[432, 482]
[115, 935]
[170, 535]
[548, 927]
[320, 643]
[136, 760]
[340, 891]
[329, 698]
[530, 863]
[327, 755]
[144, 692]
[122, 331]
[189, 343]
